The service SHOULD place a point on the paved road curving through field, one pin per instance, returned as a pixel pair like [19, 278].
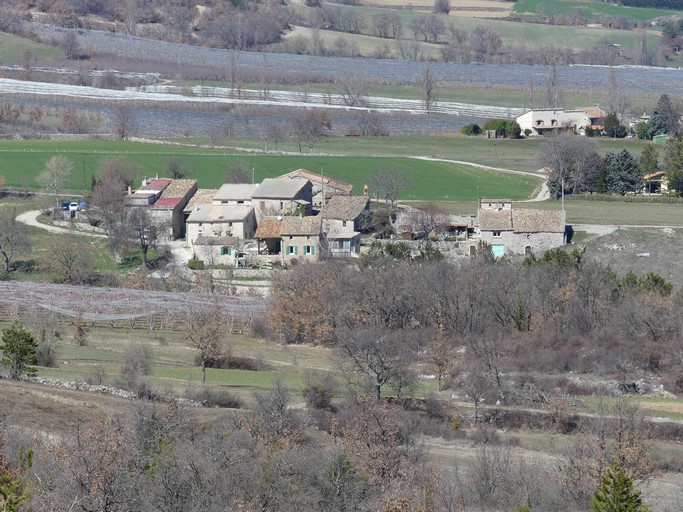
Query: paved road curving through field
[30, 218]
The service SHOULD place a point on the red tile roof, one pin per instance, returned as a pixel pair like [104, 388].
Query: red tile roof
[156, 185]
[167, 202]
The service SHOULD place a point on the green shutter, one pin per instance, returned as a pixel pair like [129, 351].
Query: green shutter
[229, 251]
[296, 250]
[222, 250]
[312, 249]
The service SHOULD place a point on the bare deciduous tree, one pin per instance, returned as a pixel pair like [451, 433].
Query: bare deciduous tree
[203, 330]
[69, 260]
[427, 218]
[143, 231]
[553, 91]
[388, 184]
[239, 172]
[124, 123]
[55, 175]
[370, 124]
[14, 236]
[428, 87]
[353, 89]
[310, 127]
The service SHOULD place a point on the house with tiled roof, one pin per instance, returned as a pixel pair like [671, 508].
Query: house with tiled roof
[218, 220]
[512, 230]
[547, 121]
[166, 200]
[341, 223]
[301, 237]
[655, 183]
[282, 197]
[268, 236]
[322, 186]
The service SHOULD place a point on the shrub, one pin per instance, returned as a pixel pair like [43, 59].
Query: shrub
[435, 407]
[46, 351]
[210, 397]
[194, 264]
[471, 129]
[318, 390]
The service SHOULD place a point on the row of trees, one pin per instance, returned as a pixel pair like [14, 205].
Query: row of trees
[577, 167]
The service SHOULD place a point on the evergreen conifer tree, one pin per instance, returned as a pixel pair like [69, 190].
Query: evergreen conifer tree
[616, 493]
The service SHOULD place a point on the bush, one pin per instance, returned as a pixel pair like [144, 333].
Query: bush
[317, 396]
[46, 351]
[435, 407]
[259, 328]
[317, 390]
[196, 264]
[210, 397]
[471, 129]
[226, 361]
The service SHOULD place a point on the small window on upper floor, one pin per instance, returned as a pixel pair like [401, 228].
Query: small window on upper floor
[497, 234]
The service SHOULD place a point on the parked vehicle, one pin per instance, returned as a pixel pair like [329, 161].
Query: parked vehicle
[74, 207]
[64, 205]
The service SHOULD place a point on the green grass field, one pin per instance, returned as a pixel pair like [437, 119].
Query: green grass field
[589, 9]
[13, 47]
[23, 161]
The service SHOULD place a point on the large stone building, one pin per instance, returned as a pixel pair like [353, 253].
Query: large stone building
[282, 197]
[512, 231]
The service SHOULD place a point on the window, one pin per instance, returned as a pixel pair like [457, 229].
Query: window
[282, 205]
[309, 249]
[497, 234]
[343, 223]
[347, 245]
[527, 250]
[292, 249]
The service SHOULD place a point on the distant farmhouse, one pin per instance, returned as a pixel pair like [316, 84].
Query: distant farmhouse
[550, 121]
[655, 183]
[512, 231]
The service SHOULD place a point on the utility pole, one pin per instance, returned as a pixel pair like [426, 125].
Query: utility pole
[322, 182]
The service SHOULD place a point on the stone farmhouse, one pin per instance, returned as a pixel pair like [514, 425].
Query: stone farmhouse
[341, 223]
[221, 220]
[550, 121]
[166, 200]
[512, 231]
[322, 186]
[282, 197]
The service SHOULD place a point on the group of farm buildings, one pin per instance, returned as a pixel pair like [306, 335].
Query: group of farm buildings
[305, 216]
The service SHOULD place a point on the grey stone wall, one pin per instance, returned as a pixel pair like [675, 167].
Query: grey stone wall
[516, 243]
